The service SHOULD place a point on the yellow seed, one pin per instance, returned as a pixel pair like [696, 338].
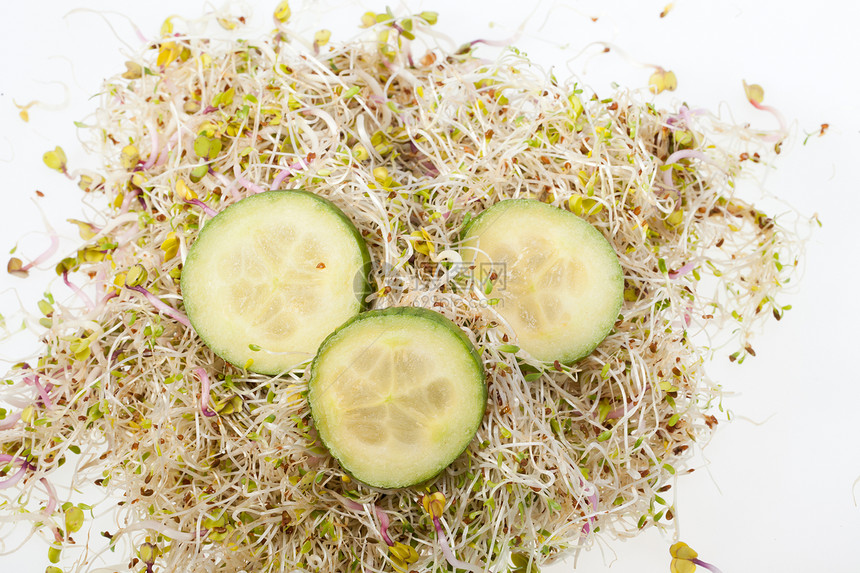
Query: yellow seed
[368, 19]
[675, 218]
[662, 80]
[404, 553]
[754, 92]
[575, 204]
[681, 566]
[170, 246]
[147, 553]
[169, 51]
[130, 157]
[283, 12]
[24, 115]
[383, 148]
[434, 504]
[576, 104]
[28, 414]
[88, 182]
[133, 71]
[91, 255]
[85, 230]
[591, 206]
[360, 153]
[228, 23]
[682, 551]
[183, 191]
[55, 159]
[191, 107]
[135, 276]
[295, 394]
[428, 238]
[380, 174]
[420, 246]
[167, 27]
[137, 180]
[671, 81]
[322, 37]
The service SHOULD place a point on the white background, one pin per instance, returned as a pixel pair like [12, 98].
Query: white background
[776, 496]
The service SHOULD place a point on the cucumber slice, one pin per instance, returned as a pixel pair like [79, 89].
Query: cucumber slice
[558, 280]
[271, 276]
[396, 395]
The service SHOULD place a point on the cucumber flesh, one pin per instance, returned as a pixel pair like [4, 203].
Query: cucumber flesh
[271, 276]
[558, 280]
[396, 395]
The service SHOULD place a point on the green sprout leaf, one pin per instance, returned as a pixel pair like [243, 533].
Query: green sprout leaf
[54, 553]
[74, 519]
[429, 17]
[55, 159]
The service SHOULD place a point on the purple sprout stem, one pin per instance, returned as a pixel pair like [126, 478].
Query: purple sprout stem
[52, 497]
[127, 199]
[10, 421]
[383, 525]
[249, 185]
[204, 392]
[783, 129]
[165, 151]
[594, 501]
[43, 392]
[447, 552]
[353, 505]
[497, 43]
[229, 186]
[706, 565]
[206, 208]
[683, 270]
[154, 151]
[616, 413]
[677, 156]
[78, 292]
[25, 465]
[14, 479]
[46, 254]
[161, 306]
[285, 172]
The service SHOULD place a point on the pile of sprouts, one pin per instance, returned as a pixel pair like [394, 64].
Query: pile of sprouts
[213, 468]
